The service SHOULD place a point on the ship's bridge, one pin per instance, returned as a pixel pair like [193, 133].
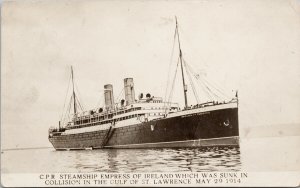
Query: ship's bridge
[155, 108]
[151, 100]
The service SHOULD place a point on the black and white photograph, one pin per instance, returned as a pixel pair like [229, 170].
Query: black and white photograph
[190, 93]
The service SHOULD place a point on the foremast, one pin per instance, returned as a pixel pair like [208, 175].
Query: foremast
[74, 96]
[180, 57]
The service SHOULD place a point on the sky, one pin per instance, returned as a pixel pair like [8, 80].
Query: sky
[251, 46]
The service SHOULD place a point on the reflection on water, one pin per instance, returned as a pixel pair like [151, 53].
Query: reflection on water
[281, 152]
[123, 160]
[157, 160]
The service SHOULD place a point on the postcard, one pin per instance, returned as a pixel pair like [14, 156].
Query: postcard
[150, 93]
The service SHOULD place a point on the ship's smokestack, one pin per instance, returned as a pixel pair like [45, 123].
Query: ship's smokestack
[109, 96]
[129, 91]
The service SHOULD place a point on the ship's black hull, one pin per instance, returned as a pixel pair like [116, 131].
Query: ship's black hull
[210, 128]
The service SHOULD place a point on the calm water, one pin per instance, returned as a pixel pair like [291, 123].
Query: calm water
[256, 154]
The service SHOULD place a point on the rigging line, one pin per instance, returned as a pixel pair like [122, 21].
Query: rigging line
[68, 118]
[216, 88]
[205, 84]
[70, 107]
[202, 86]
[170, 63]
[214, 85]
[67, 111]
[191, 81]
[172, 89]
[173, 82]
[65, 98]
[79, 104]
[118, 98]
[210, 85]
[120, 94]
[207, 92]
[167, 104]
[79, 94]
[204, 89]
[211, 91]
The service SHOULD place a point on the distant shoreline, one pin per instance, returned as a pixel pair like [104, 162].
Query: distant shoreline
[279, 130]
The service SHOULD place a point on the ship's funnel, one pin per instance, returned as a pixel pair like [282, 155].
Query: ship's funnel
[109, 96]
[129, 91]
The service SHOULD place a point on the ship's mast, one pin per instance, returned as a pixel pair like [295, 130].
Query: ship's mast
[74, 97]
[180, 56]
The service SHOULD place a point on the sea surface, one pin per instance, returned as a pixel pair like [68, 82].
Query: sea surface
[254, 154]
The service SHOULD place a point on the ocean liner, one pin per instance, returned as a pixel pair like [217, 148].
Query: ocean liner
[148, 121]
